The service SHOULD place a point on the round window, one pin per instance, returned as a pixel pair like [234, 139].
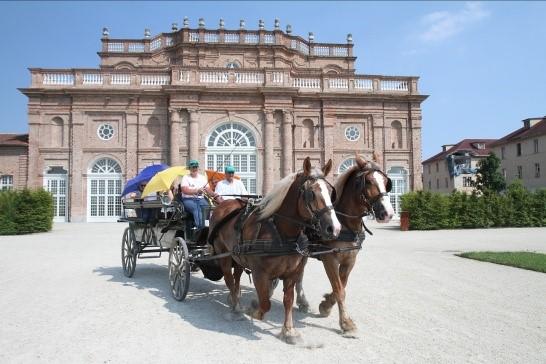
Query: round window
[352, 133]
[105, 131]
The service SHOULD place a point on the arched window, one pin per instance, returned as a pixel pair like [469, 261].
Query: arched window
[396, 135]
[308, 134]
[104, 191]
[154, 131]
[346, 164]
[233, 144]
[6, 182]
[57, 132]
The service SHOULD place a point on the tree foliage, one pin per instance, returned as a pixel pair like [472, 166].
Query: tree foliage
[488, 177]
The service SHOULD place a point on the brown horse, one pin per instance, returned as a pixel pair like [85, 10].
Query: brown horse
[267, 239]
[360, 190]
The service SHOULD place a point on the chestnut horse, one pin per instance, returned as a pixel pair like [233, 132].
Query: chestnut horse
[360, 190]
[267, 239]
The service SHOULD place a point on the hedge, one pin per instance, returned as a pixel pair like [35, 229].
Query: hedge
[25, 211]
[516, 207]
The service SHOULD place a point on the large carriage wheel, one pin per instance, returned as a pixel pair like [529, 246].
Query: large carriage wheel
[129, 252]
[179, 269]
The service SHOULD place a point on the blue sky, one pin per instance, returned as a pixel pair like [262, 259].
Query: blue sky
[482, 63]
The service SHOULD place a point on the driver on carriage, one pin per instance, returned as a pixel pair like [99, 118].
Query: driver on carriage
[193, 188]
[230, 188]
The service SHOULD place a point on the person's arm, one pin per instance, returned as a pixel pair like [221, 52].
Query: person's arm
[243, 188]
[186, 189]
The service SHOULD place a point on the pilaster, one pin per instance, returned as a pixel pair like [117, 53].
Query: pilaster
[287, 151]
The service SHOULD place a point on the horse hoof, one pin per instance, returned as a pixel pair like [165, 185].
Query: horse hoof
[254, 313]
[234, 316]
[291, 337]
[350, 334]
[324, 309]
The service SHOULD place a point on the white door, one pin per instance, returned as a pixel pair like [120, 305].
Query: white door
[104, 191]
[399, 177]
[56, 184]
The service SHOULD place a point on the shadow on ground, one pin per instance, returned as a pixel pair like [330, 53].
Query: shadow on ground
[205, 306]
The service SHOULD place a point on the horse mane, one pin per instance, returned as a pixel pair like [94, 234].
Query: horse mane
[274, 199]
[342, 179]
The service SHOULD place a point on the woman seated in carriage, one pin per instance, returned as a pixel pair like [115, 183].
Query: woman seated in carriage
[193, 188]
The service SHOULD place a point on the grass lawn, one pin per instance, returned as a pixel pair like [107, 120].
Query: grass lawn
[525, 260]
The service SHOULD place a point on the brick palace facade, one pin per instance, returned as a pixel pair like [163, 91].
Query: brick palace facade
[261, 100]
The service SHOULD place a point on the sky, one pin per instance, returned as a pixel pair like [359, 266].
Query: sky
[482, 63]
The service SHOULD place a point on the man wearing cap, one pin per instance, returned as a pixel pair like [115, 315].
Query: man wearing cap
[229, 188]
[193, 185]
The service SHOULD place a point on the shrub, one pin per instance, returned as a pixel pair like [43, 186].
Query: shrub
[25, 211]
[517, 207]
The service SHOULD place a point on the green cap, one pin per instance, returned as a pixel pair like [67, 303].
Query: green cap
[193, 163]
[229, 169]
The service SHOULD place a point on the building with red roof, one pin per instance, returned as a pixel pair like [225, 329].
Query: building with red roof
[523, 153]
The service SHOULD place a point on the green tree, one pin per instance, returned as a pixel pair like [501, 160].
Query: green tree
[488, 177]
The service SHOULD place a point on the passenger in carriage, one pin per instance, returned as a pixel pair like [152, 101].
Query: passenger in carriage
[194, 186]
[229, 188]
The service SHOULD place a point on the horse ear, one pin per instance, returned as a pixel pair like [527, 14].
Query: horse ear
[327, 168]
[360, 162]
[375, 157]
[307, 166]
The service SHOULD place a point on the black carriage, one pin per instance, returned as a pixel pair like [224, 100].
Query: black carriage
[157, 226]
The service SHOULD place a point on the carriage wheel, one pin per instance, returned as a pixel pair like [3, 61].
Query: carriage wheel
[179, 269]
[129, 252]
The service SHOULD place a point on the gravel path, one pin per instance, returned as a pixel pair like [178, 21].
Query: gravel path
[65, 299]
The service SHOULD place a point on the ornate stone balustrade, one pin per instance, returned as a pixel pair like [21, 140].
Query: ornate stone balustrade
[155, 80]
[224, 78]
[220, 36]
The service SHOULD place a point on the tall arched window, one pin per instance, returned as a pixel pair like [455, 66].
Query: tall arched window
[104, 191]
[233, 144]
[57, 131]
[396, 135]
[308, 134]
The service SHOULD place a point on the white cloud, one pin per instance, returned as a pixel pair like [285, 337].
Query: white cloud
[441, 25]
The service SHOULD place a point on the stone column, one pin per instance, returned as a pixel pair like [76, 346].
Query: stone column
[194, 134]
[268, 141]
[33, 150]
[78, 184]
[287, 151]
[131, 143]
[174, 136]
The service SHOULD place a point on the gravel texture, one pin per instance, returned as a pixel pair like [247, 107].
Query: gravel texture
[64, 299]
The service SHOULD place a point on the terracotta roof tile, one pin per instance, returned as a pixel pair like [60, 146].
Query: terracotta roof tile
[14, 140]
[523, 133]
[464, 145]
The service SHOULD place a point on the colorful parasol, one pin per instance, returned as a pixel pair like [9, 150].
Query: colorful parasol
[163, 180]
[144, 176]
[214, 177]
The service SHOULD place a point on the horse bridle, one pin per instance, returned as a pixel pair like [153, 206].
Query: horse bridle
[309, 196]
[367, 200]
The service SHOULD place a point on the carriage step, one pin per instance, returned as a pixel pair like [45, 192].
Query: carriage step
[156, 253]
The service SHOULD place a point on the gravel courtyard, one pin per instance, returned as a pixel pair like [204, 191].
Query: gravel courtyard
[64, 299]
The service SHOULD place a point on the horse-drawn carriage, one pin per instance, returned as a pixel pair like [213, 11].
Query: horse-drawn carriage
[157, 226]
[270, 238]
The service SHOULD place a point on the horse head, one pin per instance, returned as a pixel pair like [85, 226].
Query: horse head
[314, 201]
[373, 186]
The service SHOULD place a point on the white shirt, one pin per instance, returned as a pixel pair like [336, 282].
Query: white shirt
[198, 182]
[235, 188]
